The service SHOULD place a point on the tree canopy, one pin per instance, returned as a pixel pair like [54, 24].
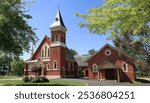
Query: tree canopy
[15, 33]
[17, 66]
[5, 59]
[127, 21]
[92, 51]
[73, 52]
[120, 17]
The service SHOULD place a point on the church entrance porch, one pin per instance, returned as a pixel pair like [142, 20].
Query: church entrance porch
[108, 71]
[109, 74]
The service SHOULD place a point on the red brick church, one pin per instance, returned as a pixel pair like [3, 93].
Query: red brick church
[54, 60]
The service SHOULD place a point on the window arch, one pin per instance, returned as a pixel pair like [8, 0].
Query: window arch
[124, 67]
[42, 52]
[55, 65]
[45, 52]
[94, 68]
[48, 52]
[55, 37]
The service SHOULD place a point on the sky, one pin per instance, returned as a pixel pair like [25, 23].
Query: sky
[79, 39]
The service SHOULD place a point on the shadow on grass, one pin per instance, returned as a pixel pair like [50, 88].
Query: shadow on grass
[143, 80]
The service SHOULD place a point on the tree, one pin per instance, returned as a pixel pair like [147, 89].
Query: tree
[122, 18]
[5, 59]
[17, 66]
[140, 51]
[15, 34]
[92, 51]
[73, 52]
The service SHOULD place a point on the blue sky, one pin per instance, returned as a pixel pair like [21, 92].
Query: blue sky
[44, 11]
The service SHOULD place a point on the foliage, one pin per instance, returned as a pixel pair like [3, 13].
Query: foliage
[73, 52]
[17, 66]
[138, 50]
[92, 51]
[39, 80]
[122, 18]
[5, 59]
[27, 79]
[15, 33]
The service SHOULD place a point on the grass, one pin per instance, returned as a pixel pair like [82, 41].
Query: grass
[8, 77]
[51, 83]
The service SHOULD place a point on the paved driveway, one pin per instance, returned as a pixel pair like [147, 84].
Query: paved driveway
[108, 83]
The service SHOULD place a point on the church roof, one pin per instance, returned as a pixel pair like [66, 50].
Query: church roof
[69, 56]
[58, 21]
[81, 59]
[116, 49]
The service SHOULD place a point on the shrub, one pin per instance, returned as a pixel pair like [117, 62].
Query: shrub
[43, 79]
[39, 80]
[26, 79]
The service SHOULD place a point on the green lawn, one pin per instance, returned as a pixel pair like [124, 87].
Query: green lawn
[8, 77]
[51, 83]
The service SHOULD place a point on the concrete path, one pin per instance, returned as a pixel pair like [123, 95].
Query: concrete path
[108, 83]
[141, 82]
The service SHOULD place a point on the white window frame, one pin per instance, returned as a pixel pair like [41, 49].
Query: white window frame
[94, 68]
[106, 52]
[54, 65]
[124, 68]
[47, 51]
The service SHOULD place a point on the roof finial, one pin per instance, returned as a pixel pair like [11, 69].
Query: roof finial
[58, 4]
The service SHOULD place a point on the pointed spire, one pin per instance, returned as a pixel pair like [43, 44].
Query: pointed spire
[32, 51]
[58, 21]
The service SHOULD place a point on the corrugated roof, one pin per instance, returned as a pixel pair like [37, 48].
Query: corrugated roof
[81, 59]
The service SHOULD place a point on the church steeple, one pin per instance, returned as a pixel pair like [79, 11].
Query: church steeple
[58, 21]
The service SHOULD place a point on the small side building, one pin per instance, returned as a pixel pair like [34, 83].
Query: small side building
[111, 64]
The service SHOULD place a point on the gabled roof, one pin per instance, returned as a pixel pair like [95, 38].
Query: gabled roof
[38, 67]
[45, 38]
[81, 59]
[107, 45]
[58, 21]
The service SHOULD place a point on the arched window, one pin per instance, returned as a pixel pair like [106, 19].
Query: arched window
[45, 51]
[94, 68]
[124, 67]
[42, 52]
[56, 37]
[55, 65]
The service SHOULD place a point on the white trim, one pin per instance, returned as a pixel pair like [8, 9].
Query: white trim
[126, 67]
[54, 65]
[43, 49]
[55, 44]
[59, 27]
[94, 70]
[107, 52]
[43, 59]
